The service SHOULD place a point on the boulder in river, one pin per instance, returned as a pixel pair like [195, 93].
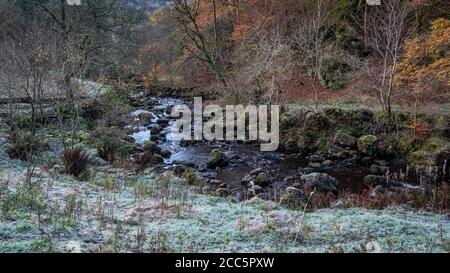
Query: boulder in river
[217, 158]
[145, 117]
[320, 181]
[185, 143]
[151, 146]
[165, 153]
[163, 121]
[155, 130]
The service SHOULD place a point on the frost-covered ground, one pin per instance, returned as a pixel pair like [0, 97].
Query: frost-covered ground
[113, 213]
[119, 210]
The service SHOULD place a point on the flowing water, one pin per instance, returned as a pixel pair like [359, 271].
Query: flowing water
[245, 157]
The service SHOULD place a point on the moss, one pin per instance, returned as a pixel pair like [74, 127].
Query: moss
[426, 154]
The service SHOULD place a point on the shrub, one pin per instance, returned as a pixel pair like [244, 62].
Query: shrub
[192, 178]
[147, 159]
[108, 142]
[23, 121]
[23, 145]
[108, 183]
[76, 160]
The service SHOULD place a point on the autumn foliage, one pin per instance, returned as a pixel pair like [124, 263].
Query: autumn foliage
[257, 50]
[425, 69]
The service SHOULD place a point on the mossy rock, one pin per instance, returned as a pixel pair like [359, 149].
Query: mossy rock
[151, 146]
[217, 159]
[293, 198]
[433, 152]
[367, 145]
[343, 139]
[316, 122]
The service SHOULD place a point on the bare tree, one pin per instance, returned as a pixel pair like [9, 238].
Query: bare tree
[310, 40]
[387, 29]
[200, 43]
[30, 62]
[266, 70]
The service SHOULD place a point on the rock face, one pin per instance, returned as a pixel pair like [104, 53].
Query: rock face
[344, 140]
[217, 159]
[293, 198]
[367, 145]
[320, 181]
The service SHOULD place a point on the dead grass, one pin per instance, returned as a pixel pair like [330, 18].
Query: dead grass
[433, 198]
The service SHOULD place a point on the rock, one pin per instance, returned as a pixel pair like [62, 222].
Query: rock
[145, 118]
[246, 180]
[367, 145]
[179, 169]
[315, 158]
[185, 143]
[151, 146]
[256, 171]
[320, 181]
[158, 159]
[379, 170]
[293, 198]
[340, 153]
[163, 121]
[255, 190]
[222, 192]
[128, 139]
[328, 163]
[165, 153]
[207, 189]
[187, 163]
[315, 165]
[374, 180]
[155, 130]
[376, 191]
[344, 140]
[168, 110]
[154, 137]
[215, 182]
[217, 159]
[262, 180]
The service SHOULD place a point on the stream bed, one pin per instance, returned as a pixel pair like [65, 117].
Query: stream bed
[153, 122]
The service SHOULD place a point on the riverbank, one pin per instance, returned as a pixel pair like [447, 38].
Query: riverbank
[150, 194]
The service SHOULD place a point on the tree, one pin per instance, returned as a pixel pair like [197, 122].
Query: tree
[388, 26]
[424, 71]
[310, 40]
